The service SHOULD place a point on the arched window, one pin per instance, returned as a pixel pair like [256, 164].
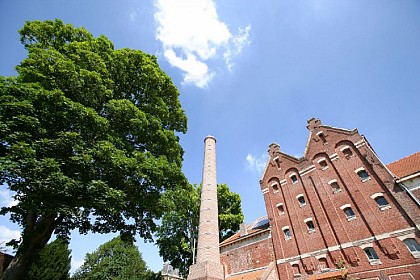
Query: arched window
[323, 163]
[371, 254]
[334, 186]
[310, 225]
[293, 178]
[280, 208]
[296, 269]
[301, 200]
[287, 234]
[275, 187]
[323, 264]
[347, 152]
[381, 201]
[363, 175]
[348, 212]
[413, 247]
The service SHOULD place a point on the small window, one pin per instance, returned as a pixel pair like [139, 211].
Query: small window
[381, 201]
[287, 234]
[296, 269]
[294, 179]
[347, 152]
[323, 164]
[280, 208]
[301, 200]
[363, 175]
[413, 246]
[371, 254]
[275, 187]
[323, 264]
[349, 213]
[335, 187]
[322, 137]
[311, 226]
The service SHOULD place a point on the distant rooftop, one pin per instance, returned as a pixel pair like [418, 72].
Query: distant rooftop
[406, 166]
[259, 224]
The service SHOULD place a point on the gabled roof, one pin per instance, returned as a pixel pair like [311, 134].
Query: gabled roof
[256, 226]
[405, 166]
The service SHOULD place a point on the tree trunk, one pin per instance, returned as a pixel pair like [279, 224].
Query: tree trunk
[31, 245]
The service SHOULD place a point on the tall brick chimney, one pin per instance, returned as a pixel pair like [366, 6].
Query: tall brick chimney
[208, 265]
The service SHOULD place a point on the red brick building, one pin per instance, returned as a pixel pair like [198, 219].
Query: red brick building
[337, 206]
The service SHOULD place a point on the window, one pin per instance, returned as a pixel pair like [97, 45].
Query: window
[371, 254]
[334, 185]
[322, 137]
[310, 225]
[348, 212]
[413, 247]
[323, 264]
[347, 152]
[363, 175]
[294, 179]
[323, 164]
[301, 200]
[280, 208]
[382, 203]
[296, 269]
[287, 234]
[275, 187]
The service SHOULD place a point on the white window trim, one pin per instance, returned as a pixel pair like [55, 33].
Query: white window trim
[299, 196]
[415, 254]
[375, 195]
[277, 206]
[307, 220]
[297, 179]
[332, 181]
[345, 206]
[344, 148]
[319, 132]
[323, 167]
[275, 190]
[362, 169]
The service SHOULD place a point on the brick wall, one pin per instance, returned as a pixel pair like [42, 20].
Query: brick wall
[328, 181]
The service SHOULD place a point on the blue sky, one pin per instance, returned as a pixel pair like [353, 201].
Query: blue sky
[252, 73]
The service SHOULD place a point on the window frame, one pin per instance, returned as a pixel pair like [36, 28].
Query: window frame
[299, 198]
[287, 233]
[280, 211]
[372, 256]
[348, 207]
[337, 189]
[412, 245]
[363, 174]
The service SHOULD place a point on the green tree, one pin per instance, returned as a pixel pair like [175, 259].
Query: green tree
[52, 263]
[179, 225]
[116, 260]
[87, 138]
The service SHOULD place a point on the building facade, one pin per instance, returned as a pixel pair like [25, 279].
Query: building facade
[337, 212]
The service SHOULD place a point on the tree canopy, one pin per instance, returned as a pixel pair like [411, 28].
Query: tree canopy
[114, 260]
[179, 224]
[87, 138]
[52, 263]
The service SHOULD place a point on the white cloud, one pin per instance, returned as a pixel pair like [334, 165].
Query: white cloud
[133, 15]
[192, 35]
[6, 199]
[239, 41]
[75, 264]
[256, 163]
[7, 234]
